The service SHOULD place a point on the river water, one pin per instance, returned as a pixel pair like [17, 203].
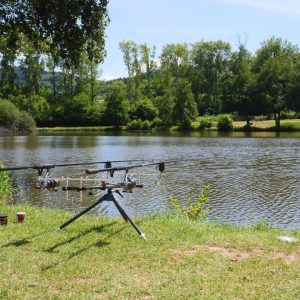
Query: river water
[253, 177]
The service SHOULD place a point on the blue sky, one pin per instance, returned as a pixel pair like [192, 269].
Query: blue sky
[159, 22]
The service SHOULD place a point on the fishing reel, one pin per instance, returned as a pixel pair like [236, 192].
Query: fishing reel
[46, 182]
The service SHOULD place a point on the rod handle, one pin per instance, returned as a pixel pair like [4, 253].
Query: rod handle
[139, 186]
[91, 171]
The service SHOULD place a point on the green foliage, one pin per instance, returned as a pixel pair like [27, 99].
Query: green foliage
[192, 209]
[12, 118]
[68, 28]
[139, 125]
[144, 109]
[225, 122]
[158, 123]
[205, 122]
[5, 185]
[185, 109]
[116, 106]
[34, 104]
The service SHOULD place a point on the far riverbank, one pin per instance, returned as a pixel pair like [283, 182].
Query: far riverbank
[288, 125]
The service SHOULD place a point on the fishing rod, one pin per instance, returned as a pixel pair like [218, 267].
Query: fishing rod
[127, 185]
[160, 166]
[51, 166]
[46, 181]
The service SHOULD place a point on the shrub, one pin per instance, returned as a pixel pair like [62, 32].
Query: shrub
[225, 122]
[146, 125]
[144, 109]
[135, 124]
[205, 122]
[11, 117]
[192, 209]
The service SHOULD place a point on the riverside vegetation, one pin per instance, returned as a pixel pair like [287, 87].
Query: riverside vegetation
[54, 77]
[104, 258]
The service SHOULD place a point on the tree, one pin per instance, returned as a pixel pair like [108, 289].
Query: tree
[238, 87]
[210, 60]
[148, 66]
[166, 106]
[185, 109]
[144, 110]
[8, 76]
[68, 27]
[116, 105]
[174, 62]
[274, 65]
[274, 82]
[294, 93]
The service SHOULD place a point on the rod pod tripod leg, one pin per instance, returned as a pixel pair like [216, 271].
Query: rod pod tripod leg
[107, 197]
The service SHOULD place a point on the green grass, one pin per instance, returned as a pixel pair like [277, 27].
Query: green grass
[285, 125]
[79, 129]
[266, 125]
[101, 258]
[5, 185]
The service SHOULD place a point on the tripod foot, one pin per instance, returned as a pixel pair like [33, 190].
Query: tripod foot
[143, 236]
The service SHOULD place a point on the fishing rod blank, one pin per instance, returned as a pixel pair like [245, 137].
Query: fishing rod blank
[51, 166]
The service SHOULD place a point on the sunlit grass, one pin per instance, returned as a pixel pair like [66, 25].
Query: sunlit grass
[100, 258]
[292, 124]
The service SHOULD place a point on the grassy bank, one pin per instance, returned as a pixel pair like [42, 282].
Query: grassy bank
[286, 125]
[79, 129]
[266, 125]
[99, 258]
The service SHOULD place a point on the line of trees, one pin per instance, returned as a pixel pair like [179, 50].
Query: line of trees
[211, 78]
[49, 57]
[183, 82]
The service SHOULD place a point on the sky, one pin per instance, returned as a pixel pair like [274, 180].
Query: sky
[161, 22]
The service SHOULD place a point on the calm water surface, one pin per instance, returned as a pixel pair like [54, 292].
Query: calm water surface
[253, 177]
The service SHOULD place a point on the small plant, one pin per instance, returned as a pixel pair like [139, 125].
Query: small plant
[225, 122]
[192, 209]
[5, 185]
[205, 122]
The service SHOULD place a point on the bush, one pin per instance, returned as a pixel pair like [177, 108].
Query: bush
[146, 125]
[225, 122]
[12, 118]
[144, 109]
[205, 122]
[135, 124]
[192, 209]
[139, 125]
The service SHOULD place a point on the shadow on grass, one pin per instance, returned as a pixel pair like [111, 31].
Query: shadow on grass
[24, 241]
[95, 228]
[98, 244]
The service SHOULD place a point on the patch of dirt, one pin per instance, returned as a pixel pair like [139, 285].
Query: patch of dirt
[236, 254]
[288, 258]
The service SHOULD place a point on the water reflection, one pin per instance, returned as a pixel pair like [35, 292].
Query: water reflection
[252, 178]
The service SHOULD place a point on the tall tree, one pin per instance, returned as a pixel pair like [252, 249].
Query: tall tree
[174, 62]
[116, 106]
[238, 87]
[210, 59]
[274, 65]
[185, 109]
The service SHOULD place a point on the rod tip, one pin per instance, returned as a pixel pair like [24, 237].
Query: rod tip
[57, 229]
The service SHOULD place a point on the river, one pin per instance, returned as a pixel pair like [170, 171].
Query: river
[253, 176]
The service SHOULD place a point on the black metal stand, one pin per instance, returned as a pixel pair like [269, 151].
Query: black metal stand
[107, 197]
